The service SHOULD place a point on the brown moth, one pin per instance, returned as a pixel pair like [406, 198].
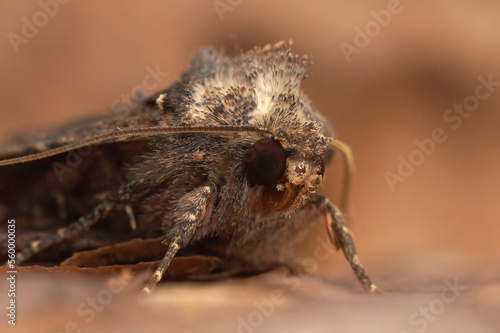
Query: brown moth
[228, 158]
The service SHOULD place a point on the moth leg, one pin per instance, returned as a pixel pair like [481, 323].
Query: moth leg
[340, 236]
[123, 196]
[191, 209]
[83, 223]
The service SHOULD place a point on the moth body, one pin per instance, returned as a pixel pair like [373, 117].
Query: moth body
[230, 157]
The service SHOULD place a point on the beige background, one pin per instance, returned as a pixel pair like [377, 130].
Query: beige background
[441, 223]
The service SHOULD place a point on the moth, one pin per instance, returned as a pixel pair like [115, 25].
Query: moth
[229, 157]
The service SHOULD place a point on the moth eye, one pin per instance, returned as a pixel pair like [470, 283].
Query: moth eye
[266, 162]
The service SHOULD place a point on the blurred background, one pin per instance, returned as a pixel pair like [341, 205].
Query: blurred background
[388, 74]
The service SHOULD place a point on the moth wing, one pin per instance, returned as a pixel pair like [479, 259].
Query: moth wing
[141, 117]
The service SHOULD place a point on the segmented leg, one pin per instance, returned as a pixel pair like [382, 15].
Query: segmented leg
[83, 223]
[191, 209]
[340, 236]
[126, 194]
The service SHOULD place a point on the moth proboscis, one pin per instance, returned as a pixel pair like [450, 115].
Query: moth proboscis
[228, 158]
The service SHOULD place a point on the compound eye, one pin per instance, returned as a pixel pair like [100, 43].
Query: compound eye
[266, 162]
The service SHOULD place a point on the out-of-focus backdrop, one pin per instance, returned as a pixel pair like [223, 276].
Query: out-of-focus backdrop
[412, 86]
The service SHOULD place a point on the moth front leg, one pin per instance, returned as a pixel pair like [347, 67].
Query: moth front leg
[341, 237]
[191, 209]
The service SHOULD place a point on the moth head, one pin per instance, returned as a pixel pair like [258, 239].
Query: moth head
[289, 175]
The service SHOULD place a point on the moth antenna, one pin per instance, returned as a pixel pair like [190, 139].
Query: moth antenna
[133, 134]
[346, 152]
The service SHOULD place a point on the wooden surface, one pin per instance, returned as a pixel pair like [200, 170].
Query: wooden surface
[438, 302]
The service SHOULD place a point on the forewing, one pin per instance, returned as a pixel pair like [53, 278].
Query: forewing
[141, 117]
